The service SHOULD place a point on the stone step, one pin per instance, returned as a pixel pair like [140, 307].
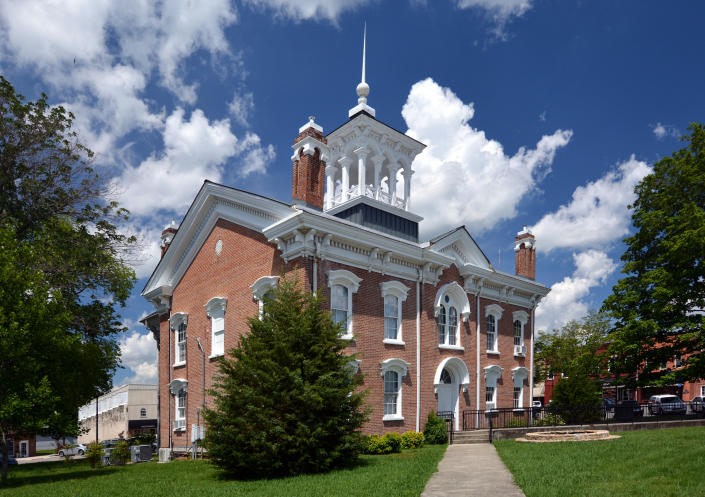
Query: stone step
[474, 436]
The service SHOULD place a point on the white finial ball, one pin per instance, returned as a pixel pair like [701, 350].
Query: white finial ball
[363, 89]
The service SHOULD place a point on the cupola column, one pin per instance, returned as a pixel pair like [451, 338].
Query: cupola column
[377, 161]
[407, 187]
[393, 185]
[345, 177]
[330, 186]
[361, 171]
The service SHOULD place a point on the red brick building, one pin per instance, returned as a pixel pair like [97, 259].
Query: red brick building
[435, 326]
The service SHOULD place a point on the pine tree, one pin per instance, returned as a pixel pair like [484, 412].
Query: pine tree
[286, 401]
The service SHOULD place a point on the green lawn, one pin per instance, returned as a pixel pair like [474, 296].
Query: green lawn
[658, 463]
[394, 475]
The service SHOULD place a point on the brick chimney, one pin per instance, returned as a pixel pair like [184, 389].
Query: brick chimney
[310, 156]
[525, 254]
[168, 235]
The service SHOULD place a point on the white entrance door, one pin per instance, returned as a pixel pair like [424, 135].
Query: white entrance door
[448, 399]
[24, 448]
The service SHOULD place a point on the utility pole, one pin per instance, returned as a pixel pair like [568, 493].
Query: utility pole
[203, 405]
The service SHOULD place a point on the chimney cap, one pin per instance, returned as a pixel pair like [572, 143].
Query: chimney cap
[524, 231]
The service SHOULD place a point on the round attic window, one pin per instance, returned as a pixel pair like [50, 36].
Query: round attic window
[218, 247]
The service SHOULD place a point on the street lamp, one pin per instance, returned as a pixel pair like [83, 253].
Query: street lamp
[203, 390]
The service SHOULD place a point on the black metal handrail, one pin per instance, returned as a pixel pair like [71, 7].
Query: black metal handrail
[449, 418]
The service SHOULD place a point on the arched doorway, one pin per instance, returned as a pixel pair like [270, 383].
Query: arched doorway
[451, 376]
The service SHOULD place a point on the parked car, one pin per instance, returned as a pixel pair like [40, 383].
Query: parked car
[109, 443]
[697, 404]
[72, 450]
[636, 409]
[666, 404]
[608, 404]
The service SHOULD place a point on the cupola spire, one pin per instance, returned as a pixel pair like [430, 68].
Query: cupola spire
[363, 89]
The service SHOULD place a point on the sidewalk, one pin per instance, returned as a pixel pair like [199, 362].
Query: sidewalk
[471, 470]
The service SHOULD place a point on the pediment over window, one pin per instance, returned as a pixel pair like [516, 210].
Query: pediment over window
[178, 384]
[398, 365]
[521, 316]
[519, 375]
[458, 296]
[345, 278]
[492, 374]
[457, 369]
[263, 285]
[177, 319]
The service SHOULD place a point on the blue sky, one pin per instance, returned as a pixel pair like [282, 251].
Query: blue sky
[535, 112]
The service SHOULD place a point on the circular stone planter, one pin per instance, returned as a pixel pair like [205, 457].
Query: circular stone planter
[567, 436]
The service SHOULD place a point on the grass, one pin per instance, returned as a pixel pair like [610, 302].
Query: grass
[403, 475]
[46, 452]
[658, 463]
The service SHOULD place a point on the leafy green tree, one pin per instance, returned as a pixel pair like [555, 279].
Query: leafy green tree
[287, 401]
[576, 399]
[659, 305]
[63, 271]
[579, 347]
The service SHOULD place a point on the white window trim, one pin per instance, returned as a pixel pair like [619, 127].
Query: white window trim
[215, 309]
[175, 321]
[260, 288]
[519, 376]
[400, 291]
[175, 386]
[352, 283]
[496, 311]
[399, 366]
[492, 374]
[523, 318]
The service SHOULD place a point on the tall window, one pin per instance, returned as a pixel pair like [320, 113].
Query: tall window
[143, 412]
[339, 306]
[180, 413]
[391, 317]
[215, 309]
[391, 393]
[447, 323]
[489, 395]
[517, 397]
[491, 333]
[442, 318]
[518, 338]
[180, 349]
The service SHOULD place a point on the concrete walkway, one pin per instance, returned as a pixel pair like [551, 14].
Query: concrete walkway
[471, 470]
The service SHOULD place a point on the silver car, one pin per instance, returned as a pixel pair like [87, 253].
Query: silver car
[666, 404]
[697, 404]
[72, 450]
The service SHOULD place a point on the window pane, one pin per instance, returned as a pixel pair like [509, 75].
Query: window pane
[391, 315]
[390, 328]
[218, 342]
[490, 332]
[517, 397]
[452, 325]
[442, 325]
[489, 394]
[517, 332]
[391, 392]
[339, 297]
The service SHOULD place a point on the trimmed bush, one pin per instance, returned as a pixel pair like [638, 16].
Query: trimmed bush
[94, 454]
[412, 440]
[378, 445]
[435, 431]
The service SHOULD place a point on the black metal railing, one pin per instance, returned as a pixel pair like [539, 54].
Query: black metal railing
[449, 418]
[492, 419]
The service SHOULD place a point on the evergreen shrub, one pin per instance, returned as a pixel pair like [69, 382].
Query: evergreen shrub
[435, 431]
[120, 453]
[378, 445]
[94, 454]
[286, 398]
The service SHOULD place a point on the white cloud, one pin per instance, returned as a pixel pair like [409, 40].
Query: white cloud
[241, 106]
[598, 212]
[500, 11]
[663, 130]
[463, 177]
[567, 300]
[315, 10]
[542, 117]
[139, 356]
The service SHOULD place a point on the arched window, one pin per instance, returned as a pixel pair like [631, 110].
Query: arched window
[391, 393]
[452, 326]
[518, 335]
[179, 322]
[215, 310]
[180, 414]
[442, 325]
[263, 289]
[343, 284]
[445, 377]
[491, 333]
[394, 294]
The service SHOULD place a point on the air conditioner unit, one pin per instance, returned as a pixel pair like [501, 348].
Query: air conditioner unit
[520, 350]
[489, 406]
[140, 453]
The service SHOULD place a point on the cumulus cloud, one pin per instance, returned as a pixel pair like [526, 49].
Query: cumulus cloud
[299, 10]
[500, 11]
[598, 213]
[241, 106]
[139, 357]
[661, 131]
[568, 297]
[477, 182]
